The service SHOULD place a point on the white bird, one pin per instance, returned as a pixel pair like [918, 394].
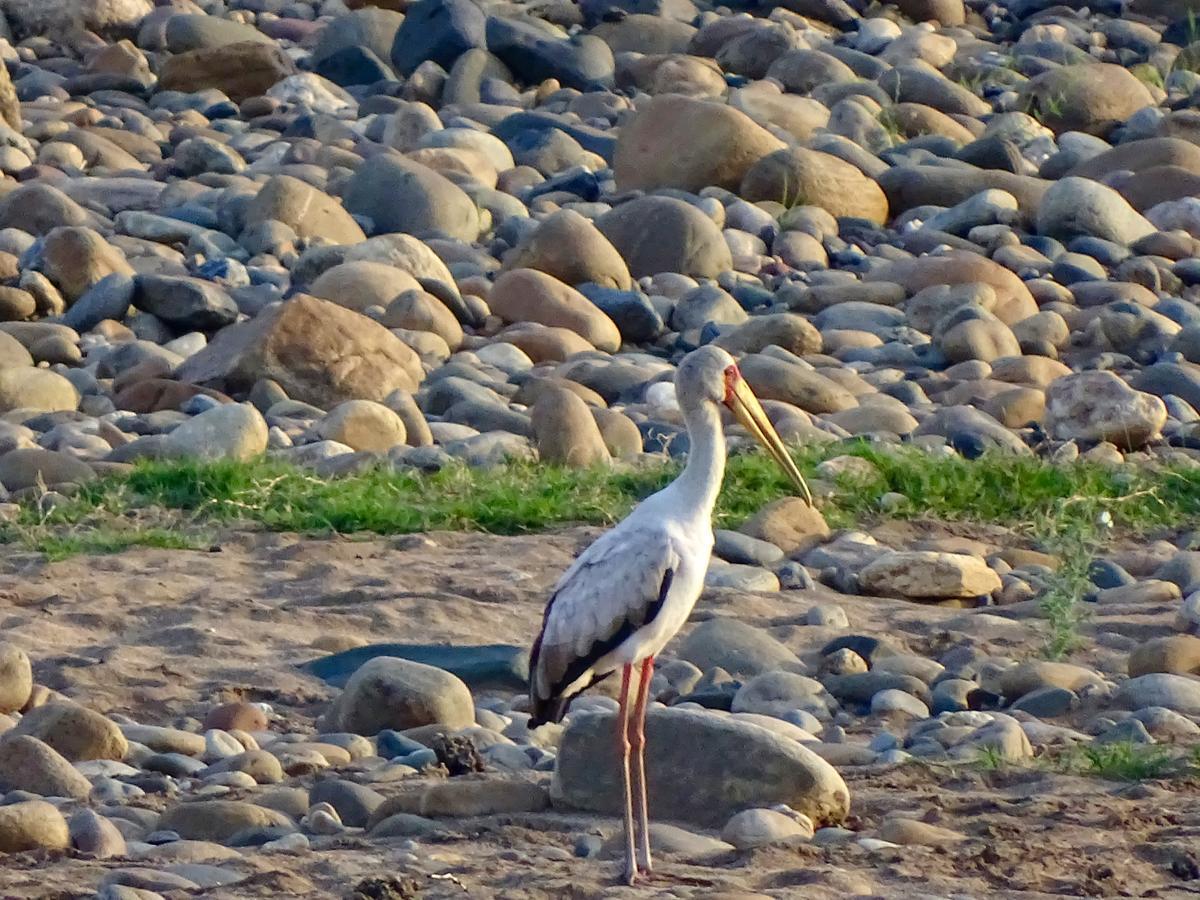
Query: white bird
[629, 592]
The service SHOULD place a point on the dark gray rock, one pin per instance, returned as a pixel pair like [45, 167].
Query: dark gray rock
[439, 31]
[187, 303]
[534, 54]
[109, 298]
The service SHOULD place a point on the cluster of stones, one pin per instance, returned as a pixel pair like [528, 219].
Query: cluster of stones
[345, 236]
[745, 737]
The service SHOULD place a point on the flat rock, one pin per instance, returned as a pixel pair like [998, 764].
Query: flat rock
[749, 765]
[738, 648]
[924, 574]
[219, 820]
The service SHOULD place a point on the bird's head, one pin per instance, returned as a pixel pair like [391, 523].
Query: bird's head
[711, 375]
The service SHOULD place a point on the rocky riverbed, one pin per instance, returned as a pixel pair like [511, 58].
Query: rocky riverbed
[220, 767]
[414, 235]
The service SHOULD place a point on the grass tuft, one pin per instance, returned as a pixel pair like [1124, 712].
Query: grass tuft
[1124, 761]
[1058, 508]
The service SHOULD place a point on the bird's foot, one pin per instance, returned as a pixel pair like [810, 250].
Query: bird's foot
[639, 874]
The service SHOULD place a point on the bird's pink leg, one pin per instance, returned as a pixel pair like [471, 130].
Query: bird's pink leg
[630, 874]
[638, 727]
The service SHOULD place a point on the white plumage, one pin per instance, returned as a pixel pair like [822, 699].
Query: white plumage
[628, 593]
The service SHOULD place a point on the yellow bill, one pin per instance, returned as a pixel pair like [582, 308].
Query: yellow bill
[749, 412]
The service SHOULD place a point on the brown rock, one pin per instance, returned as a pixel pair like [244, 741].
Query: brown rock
[1089, 97]
[948, 13]
[621, 435]
[527, 295]
[317, 351]
[15, 304]
[565, 430]
[675, 141]
[16, 678]
[569, 247]
[774, 379]
[1178, 654]
[928, 574]
[1017, 407]
[32, 825]
[789, 523]
[307, 211]
[415, 310]
[1027, 677]
[787, 330]
[10, 106]
[1013, 300]
[361, 285]
[156, 394]
[542, 343]
[240, 716]
[27, 764]
[241, 70]
[663, 234]
[1138, 156]
[907, 187]
[74, 731]
[798, 175]
[219, 820]
[363, 425]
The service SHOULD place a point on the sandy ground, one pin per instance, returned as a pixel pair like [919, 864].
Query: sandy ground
[162, 635]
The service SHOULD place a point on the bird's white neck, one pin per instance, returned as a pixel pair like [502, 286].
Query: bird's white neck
[701, 479]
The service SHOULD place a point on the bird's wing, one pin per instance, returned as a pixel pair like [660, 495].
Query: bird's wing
[617, 585]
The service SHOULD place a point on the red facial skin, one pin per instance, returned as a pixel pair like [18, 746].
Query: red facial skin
[732, 377]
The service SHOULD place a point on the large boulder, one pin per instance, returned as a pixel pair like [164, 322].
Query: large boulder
[398, 194]
[1099, 406]
[798, 175]
[76, 258]
[701, 767]
[663, 234]
[1080, 207]
[527, 295]
[565, 429]
[317, 351]
[388, 692]
[680, 142]
[1088, 97]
